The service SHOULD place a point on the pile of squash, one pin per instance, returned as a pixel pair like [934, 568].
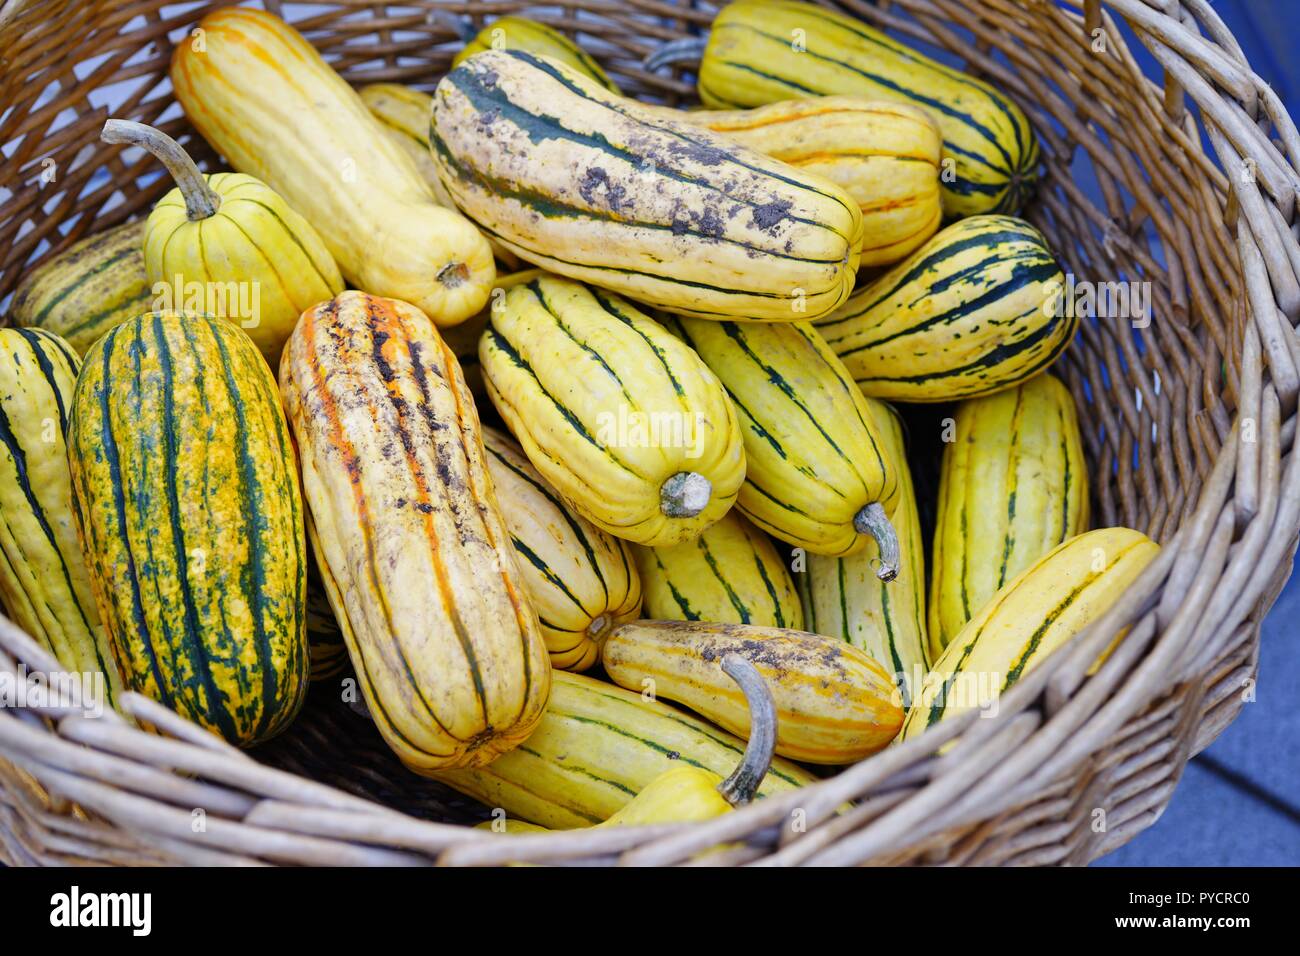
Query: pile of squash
[241, 448]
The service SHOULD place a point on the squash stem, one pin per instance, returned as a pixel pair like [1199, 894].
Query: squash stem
[739, 788]
[685, 50]
[685, 494]
[463, 27]
[872, 520]
[200, 200]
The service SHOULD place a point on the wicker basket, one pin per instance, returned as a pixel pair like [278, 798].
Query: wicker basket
[1188, 423]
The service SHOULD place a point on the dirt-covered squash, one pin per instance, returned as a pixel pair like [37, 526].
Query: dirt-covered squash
[599, 188]
[413, 551]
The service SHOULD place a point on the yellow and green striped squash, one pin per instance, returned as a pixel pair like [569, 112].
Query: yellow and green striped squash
[409, 538]
[599, 188]
[582, 581]
[597, 746]
[763, 51]
[86, 290]
[816, 466]
[843, 598]
[1033, 615]
[975, 310]
[521, 33]
[834, 703]
[622, 419]
[730, 574]
[1013, 485]
[186, 499]
[44, 586]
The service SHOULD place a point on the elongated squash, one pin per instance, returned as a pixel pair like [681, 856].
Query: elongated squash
[598, 746]
[621, 418]
[44, 585]
[521, 33]
[1033, 615]
[403, 112]
[884, 155]
[227, 245]
[264, 98]
[414, 554]
[975, 310]
[762, 51]
[730, 574]
[817, 472]
[582, 582]
[1014, 485]
[189, 514]
[599, 188]
[84, 291]
[843, 598]
[834, 704]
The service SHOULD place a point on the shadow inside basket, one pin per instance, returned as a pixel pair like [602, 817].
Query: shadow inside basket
[335, 745]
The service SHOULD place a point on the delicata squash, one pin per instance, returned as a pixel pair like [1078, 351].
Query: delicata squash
[44, 584]
[749, 60]
[1028, 619]
[93, 285]
[843, 598]
[975, 310]
[260, 94]
[1013, 485]
[834, 704]
[886, 156]
[412, 548]
[599, 188]
[731, 573]
[818, 474]
[620, 417]
[186, 500]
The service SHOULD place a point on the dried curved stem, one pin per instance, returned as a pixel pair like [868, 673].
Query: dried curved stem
[872, 520]
[685, 50]
[739, 788]
[200, 201]
[463, 27]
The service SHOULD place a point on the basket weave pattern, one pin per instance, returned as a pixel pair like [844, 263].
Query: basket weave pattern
[1188, 425]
